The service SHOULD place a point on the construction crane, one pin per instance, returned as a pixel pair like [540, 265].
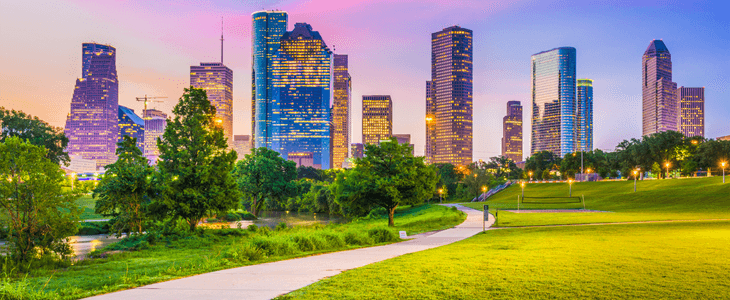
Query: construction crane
[148, 99]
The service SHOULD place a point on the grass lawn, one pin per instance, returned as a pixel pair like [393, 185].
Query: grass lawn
[683, 260]
[170, 259]
[672, 199]
[86, 204]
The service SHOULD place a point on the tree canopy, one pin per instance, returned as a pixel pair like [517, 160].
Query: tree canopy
[36, 132]
[264, 176]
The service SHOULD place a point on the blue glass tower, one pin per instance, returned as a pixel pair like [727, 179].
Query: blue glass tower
[268, 27]
[131, 125]
[584, 118]
[553, 101]
[300, 107]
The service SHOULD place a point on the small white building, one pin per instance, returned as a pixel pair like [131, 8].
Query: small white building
[80, 165]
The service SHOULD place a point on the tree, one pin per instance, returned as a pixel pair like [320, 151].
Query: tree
[310, 172]
[36, 132]
[195, 164]
[541, 161]
[40, 214]
[448, 177]
[264, 175]
[126, 188]
[387, 176]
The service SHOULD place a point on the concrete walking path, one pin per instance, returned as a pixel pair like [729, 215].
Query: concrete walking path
[269, 280]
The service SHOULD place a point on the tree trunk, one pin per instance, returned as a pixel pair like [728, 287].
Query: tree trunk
[192, 223]
[391, 212]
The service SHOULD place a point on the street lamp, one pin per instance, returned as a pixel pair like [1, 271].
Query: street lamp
[636, 173]
[441, 192]
[530, 175]
[723, 171]
[570, 185]
[667, 164]
[523, 191]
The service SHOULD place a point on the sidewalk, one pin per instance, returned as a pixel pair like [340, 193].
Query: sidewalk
[269, 280]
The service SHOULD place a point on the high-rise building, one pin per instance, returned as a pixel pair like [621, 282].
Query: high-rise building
[92, 125]
[357, 150]
[154, 125]
[512, 132]
[430, 123]
[377, 118]
[584, 115]
[451, 96]
[268, 27]
[131, 125]
[553, 101]
[660, 106]
[217, 81]
[300, 107]
[242, 145]
[692, 111]
[404, 138]
[341, 110]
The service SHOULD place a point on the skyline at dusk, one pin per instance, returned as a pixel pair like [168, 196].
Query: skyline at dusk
[388, 47]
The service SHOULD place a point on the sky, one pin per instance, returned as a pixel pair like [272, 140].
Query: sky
[389, 46]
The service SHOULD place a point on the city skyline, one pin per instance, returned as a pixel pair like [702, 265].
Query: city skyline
[491, 93]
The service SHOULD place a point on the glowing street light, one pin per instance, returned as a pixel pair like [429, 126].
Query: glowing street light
[523, 191]
[441, 192]
[723, 171]
[530, 175]
[667, 165]
[570, 185]
[636, 173]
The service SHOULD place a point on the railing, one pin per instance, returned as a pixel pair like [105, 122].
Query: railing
[483, 197]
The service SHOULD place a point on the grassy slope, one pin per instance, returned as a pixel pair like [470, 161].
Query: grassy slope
[86, 204]
[674, 199]
[161, 262]
[638, 261]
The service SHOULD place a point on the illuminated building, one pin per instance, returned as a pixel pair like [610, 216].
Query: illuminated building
[92, 125]
[724, 138]
[242, 145]
[302, 159]
[512, 132]
[217, 81]
[659, 94]
[692, 111]
[377, 118]
[131, 125]
[300, 105]
[341, 110]
[404, 138]
[450, 104]
[267, 29]
[553, 101]
[155, 123]
[357, 150]
[584, 115]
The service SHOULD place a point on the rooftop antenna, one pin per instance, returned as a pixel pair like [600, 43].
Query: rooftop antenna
[221, 40]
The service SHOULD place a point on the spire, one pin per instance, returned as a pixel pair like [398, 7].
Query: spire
[221, 40]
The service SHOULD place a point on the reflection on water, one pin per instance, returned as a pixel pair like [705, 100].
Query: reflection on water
[291, 218]
[82, 245]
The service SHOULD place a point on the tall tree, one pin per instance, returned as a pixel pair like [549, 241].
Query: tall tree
[36, 132]
[388, 176]
[126, 188]
[40, 214]
[264, 176]
[195, 162]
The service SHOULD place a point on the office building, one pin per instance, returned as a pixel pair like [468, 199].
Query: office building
[430, 123]
[131, 125]
[692, 111]
[451, 96]
[553, 101]
[242, 145]
[302, 159]
[512, 132]
[405, 138]
[584, 115]
[155, 123]
[217, 81]
[377, 118]
[660, 107]
[357, 150]
[341, 110]
[267, 30]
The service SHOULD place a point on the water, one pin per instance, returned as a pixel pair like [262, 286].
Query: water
[82, 245]
[291, 218]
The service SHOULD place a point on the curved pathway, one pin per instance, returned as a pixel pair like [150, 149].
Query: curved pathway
[269, 280]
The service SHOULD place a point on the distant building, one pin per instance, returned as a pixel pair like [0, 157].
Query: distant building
[724, 138]
[217, 81]
[155, 123]
[512, 132]
[357, 150]
[377, 118]
[80, 165]
[450, 106]
[341, 110]
[692, 111]
[405, 138]
[659, 94]
[268, 28]
[303, 159]
[131, 125]
[584, 115]
[92, 125]
[242, 145]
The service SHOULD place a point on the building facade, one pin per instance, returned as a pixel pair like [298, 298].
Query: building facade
[584, 115]
[553, 101]
[300, 109]
[692, 111]
[217, 81]
[357, 150]
[377, 118]
[131, 125]
[451, 96]
[512, 132]
[405, 138]
[341, 110]
[430, 123]
[660, 107]
[267, 29]
[92, 125]
[242, 145]
[155, 122]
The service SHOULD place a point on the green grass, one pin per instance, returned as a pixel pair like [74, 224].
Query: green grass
[683, 260]
[673, 199]
[86, 204]
[190, 255]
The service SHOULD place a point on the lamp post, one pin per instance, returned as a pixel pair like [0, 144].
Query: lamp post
[441, 192]
[484, 189]
[570, 187]
[636, 173]
[667, 164]
[723, 171]
[523, 189]
[530, 175]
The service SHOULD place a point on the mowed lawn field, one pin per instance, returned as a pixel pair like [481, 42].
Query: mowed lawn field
[655, 200]
[681, 260]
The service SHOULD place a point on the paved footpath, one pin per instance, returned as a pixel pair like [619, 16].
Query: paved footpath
[269, 280]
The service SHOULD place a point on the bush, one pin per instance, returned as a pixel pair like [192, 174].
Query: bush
[334, 241]
[93, 228]
[355, 238]
[247, 216]
[273, 246]
[230, 217]
[244, 253]
[281, 226]
[382, 235]
[252, 228]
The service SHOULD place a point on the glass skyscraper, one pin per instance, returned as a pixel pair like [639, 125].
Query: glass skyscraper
[692, 111]
[131, 125]
[377, 118]
[92, 124]
[660, 106]
[267, 30]
[450, 104]
[217, 81]
[584, 115]
[154, 127]
[553, 101]
[341, 110]
[512, 132]
[300, 106]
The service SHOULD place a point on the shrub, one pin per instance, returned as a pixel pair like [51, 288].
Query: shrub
[244, 253]
[334, 241]
[354, 238]
[247, 216]
[275, 246]
[382, 235]
[252, 228]
[304, 243]
[93, 228]
[230, 217]
[281, 226]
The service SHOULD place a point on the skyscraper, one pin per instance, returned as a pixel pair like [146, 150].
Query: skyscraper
[154, 127]
[242, 145]
[584, 115]
[357, 150]
[341, 110]
[377, 118]
[268, 27]
[659, 106]
[692, 111]
[131, 125]
[512, 132]
[217, 81]
[430, 123]
[405, 138]
[451, 99]
[300, 106]
[553, 101]
[92, 125]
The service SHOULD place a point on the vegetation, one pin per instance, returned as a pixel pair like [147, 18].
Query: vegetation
[36, 132]
[264, 176]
